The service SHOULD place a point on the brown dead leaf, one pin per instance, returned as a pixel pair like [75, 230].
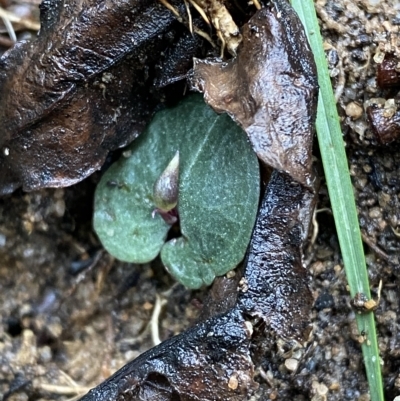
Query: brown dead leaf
[82, 88]
[276, 280]
[270, 89]
[196, 365]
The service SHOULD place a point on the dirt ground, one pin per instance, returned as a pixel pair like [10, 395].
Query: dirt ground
[71, 315]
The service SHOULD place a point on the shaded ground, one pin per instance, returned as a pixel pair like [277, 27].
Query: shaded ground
[60, 328]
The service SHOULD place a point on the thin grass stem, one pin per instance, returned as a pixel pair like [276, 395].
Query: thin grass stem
[341, 196]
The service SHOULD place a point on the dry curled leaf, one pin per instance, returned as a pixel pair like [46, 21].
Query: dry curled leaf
[270, 89]
[84, 87]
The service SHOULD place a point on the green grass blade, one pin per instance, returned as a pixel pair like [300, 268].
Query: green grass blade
[341, 195]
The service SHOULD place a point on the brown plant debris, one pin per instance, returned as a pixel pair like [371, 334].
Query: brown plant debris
[277, 282]
[85, 86]
[226, 28]
[269, 89]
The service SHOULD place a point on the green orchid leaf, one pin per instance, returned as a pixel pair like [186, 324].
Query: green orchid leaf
[217, 197]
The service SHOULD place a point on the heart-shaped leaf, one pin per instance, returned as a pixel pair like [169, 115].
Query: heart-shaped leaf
[217, 199]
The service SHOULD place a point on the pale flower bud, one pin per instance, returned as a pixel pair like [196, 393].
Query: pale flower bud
[165, 191]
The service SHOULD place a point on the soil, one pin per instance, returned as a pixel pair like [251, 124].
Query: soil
[71, 315]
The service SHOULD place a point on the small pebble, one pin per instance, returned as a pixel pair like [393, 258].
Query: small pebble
[249, 328]
[322, 389]
[45, 354]
[18, 397]
[273, 395]
[230, 274]
[3, 240]
[59, 208]
[324, 301]
[291, 364]
[334, 386]
[397, 382]
[375, 213]
[233, 382]
[131, 354]
[354, 110]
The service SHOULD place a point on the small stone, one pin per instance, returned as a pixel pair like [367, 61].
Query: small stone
[249, 328]
[291, 364]
[18, 397]
[397, 382]
[367, 168]
[354, 110]
[45, 354]
[322, 389]
[148, 305]
[337, 269]
[324, 301]
[375, 213]
[318, 397]
[243, 285]
[59, 208]
[55, 329]
[230, 274]
[131, 354]
[233, 382]
[334, 386]
[3, 240]
[317, 268]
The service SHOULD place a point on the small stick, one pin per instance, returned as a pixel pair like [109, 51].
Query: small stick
[63, 390]
[180, 19]
[375, 247]
[171, 8]
[155, 334]
[200, 11]
[34, 26]
[9, 28]
[6, 42]
[189, 15]
[316, 225]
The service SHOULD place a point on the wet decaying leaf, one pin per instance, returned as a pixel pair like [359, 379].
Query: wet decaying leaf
[270, 89]
[276, 287]
[210, 361]
[85, 86]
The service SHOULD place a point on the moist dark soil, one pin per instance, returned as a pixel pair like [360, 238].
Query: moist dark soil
[71, 315]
